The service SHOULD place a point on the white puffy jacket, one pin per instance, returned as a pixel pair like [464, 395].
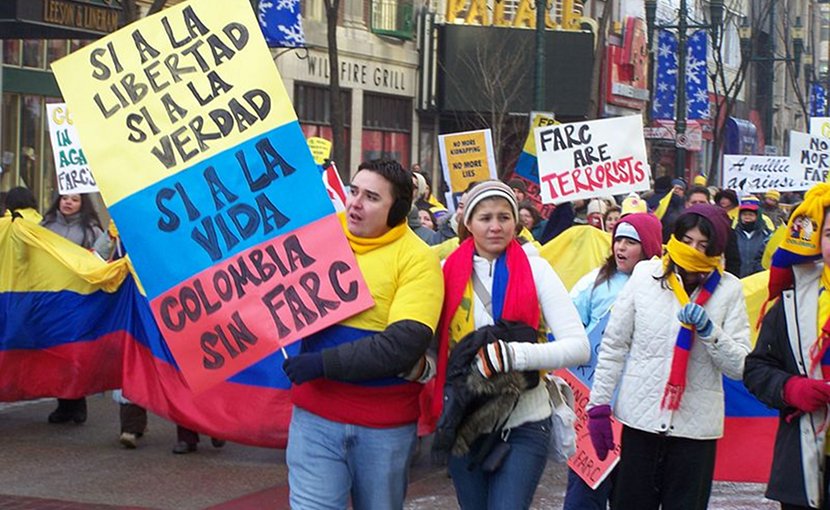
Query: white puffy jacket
[638, 347]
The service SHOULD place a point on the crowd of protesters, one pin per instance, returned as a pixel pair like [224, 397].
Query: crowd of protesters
[458, 337]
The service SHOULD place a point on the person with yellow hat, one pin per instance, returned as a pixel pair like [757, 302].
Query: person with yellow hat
[789, 368]
[770, 209]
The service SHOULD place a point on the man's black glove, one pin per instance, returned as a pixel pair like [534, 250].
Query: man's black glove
[304, 367]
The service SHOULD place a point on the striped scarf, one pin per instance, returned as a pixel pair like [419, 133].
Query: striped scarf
[691, 260]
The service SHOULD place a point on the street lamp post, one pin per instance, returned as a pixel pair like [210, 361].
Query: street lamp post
[539, 82]
[745, 34]
[683, 25]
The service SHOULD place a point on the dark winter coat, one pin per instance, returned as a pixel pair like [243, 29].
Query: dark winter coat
[781, 352]
[474, 405]
[751, 245]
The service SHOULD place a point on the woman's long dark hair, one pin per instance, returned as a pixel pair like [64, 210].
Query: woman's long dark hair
[686, 222]
[89, 217]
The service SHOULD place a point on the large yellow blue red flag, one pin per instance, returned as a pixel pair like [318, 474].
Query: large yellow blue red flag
[200, 158]
[72, 325]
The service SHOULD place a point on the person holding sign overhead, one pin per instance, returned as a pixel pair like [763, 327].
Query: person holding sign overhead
[73, 217]
[677, 327]
[357, 383]
[493, 287]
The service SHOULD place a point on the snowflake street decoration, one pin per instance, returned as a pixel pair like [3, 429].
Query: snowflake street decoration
[281, 23]
[697, 92]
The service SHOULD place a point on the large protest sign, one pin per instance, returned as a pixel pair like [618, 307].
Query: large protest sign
[820, 126]
[756, 174]
[591, 159]
[466, 158]
[810, 155]
[201, 160]
[71, 168]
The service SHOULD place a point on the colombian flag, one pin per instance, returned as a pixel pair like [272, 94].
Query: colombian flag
[745, 450]
[62, 332]
[71, 325]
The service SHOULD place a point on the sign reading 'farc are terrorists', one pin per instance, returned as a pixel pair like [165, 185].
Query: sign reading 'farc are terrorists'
[200, 158]
[591, 159]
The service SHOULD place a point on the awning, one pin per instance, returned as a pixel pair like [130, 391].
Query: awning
[58, 19]
[740, 137]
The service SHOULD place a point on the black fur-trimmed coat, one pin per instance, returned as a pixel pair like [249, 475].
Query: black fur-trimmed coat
[475, 405]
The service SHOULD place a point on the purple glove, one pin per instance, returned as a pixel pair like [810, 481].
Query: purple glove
[599, 427]
[304, 367]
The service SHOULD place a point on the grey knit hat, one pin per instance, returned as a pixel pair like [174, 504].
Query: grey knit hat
[490, 189]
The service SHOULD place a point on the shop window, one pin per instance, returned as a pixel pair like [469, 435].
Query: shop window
[31, 138]
[386, 145]
[314, 113]
[390, 113]
[312, 104]
[11, 52]
[8, 160]
[76, 44]
[55, 49]
[33, 53]
[393, 18]
[387, 123]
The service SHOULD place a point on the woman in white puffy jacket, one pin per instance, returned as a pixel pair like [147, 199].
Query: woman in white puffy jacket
[678, 326]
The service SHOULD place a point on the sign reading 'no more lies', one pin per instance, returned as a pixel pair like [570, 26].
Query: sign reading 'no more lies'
[207, 174]
[591, 159]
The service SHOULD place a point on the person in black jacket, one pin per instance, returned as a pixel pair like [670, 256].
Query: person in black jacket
[789, 369]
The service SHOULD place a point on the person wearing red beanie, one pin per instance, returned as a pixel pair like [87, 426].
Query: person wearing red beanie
[636, 238]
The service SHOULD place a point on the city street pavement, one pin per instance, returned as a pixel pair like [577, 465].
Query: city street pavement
[74, 467]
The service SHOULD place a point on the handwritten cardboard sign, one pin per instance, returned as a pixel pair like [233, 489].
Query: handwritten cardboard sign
[209, 178]
[591, 159]
[465, 158]
[71, 167]
[320, 149]
[810, 156]
[585, 461]
[755, 174]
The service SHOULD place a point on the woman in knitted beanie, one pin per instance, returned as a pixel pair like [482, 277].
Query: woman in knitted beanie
[636, 238]
[676, 328]
[491, 283]
[789, 369]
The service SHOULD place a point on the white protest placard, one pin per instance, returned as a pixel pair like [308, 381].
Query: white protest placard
[591, 159]
[810, 154]
[820, 126]
[71, 167]
[756, 174]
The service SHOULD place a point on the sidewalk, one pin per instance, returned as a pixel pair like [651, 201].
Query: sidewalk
[82, 467]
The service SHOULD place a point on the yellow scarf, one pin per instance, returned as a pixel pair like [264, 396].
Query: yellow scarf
[361, 245]
[689, 258]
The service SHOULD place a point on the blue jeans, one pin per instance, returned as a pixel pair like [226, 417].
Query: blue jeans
[580, 496]
[512, 485]
[330, 461]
